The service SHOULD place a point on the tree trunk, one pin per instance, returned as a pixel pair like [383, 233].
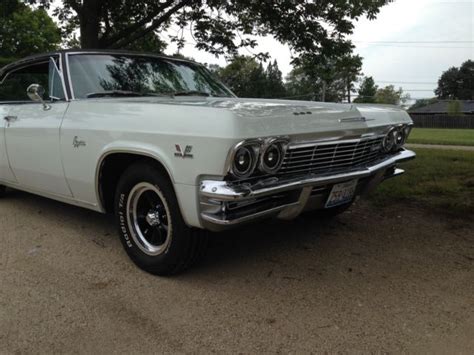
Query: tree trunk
[90, 24]
[348, 91]
[323, 98]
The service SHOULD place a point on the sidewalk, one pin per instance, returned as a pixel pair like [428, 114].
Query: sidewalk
[439, 146]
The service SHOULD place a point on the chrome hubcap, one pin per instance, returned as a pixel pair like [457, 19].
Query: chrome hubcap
[148, 219]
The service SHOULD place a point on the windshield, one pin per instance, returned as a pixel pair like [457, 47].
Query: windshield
[93, 74]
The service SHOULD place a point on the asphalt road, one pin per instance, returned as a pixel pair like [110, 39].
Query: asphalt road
[393, 279]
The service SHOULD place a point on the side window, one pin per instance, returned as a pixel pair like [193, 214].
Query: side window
[55, 81]
[14, 85]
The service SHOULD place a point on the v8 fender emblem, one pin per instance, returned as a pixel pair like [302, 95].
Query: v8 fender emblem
[186, 153]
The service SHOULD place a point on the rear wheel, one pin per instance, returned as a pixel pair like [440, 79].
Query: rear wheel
[151, 227]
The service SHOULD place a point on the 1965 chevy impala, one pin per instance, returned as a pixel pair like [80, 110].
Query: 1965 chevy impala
[167, 148]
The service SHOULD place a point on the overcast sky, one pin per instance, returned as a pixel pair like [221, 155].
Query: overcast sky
[445, 26]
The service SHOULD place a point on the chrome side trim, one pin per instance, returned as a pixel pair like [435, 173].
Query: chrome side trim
[68, 73]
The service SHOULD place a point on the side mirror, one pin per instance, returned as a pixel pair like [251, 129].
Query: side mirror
[35, 93]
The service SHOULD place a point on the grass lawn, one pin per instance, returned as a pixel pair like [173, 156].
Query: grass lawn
[442, 136]
[440, 179]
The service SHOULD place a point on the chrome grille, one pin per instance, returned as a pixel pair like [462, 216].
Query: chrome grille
[330, 156]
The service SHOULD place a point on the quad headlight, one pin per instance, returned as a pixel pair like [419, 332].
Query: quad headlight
[272, 156]
[396, 138]
[264, 155]
[245, 159]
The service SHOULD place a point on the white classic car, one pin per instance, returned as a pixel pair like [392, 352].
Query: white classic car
[173, 152]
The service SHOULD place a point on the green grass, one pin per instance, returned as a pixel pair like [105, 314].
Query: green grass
[442, 136]
[442, 180]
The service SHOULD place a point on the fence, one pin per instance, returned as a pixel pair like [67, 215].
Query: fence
[443, 121]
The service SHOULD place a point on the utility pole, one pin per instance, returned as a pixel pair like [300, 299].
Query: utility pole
[348, 91]
[323, 98]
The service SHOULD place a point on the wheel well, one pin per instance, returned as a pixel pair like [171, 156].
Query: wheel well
[112, 168]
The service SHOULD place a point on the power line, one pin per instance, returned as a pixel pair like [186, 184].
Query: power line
[414, 47]
[414, 42]
[405, 82]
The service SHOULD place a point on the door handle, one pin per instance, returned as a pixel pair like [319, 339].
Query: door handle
[10, 118]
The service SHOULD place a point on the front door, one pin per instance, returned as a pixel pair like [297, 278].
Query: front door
[33, 130]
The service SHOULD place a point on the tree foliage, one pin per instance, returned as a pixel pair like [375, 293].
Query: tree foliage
[457, 83]
[367, 91]
[324, 79]
[389, 95]
[248, 78]
[274, 86]
[314, 28]
[25, 31]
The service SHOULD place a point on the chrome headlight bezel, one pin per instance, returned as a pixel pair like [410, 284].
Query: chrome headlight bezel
[396, 137]
[280, 145]
[388, 142]
[253, 148]
[258, 147]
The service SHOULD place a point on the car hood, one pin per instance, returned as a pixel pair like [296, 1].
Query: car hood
[264, 117]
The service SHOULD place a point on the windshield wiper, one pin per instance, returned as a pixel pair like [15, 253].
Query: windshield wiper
[118, 93]
[192, 93]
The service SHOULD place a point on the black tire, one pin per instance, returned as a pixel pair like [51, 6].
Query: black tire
[3, 191]
[159, 242]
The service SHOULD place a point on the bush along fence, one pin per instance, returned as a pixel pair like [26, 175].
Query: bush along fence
[443, 121]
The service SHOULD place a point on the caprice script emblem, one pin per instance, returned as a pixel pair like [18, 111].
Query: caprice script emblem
[76, 143]
[183, 154]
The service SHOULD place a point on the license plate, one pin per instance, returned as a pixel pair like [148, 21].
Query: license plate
[341, 194]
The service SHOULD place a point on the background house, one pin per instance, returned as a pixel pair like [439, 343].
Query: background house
[446, 107]
[445, 114]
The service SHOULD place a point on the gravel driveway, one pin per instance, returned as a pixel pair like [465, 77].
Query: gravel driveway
[393, 279]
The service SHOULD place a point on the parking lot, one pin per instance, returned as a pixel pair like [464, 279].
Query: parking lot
[400, 278]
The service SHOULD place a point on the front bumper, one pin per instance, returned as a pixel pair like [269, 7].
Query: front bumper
[224, 205]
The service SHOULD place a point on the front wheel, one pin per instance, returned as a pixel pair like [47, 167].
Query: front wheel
[151, 227]
[3, 190]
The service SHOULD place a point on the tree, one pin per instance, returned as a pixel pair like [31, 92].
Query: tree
[448, 84]
[274, 86]
[317, 28]
[300, 86]
[388, 95]
[25, 31]
[349, 68]
[248, 78]
[457, 83]
[455, 108]
[466, 81]
[245, 76]
[324, 79]
[367, 91]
